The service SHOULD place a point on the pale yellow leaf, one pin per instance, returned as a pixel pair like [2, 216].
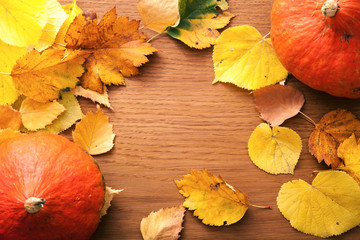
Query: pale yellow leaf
[328, 207]
[245, 58]
[68, 118]
[158, 15]
[93, 95]
[22, 21]
[164, 224]
[109, 195]
[37, 115]
[349, 151]
[94, 133]
[275, 150]
[8, 133]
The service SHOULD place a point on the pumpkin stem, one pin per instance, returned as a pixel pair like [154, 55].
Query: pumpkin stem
[32, 204]
[330, 8]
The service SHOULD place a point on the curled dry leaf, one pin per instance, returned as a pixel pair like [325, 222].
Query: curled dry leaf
[37, 115]
[199, 20]
[94, 133]
[275, 150]
[276, 103]
[158, 15]
[8, 133]
[8, 57]
[22, 21]
[9, 118]
[349, 151]
[333, 128]
[215, 202]
[50, 71]
[93, 96]
[116, 44]
[109, 195]
[68, 118]
[164, 224]
[245, 58]
[328, 207]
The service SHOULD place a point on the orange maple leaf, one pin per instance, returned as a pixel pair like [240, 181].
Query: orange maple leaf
[333, 128]
[117, 46]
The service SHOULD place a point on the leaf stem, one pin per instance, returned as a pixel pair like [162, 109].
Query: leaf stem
[154, 37]
[4, 73]
[257, 206]
[266, 35]
[304, 116]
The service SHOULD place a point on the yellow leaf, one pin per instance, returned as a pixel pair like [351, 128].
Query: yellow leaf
[164, 224]
[199, 20]
[333, 128]
[245, 58]
[37, 115]
[275, 150]
[9, 118]
[94, 133]
[328, 207]
[214, 201]
[68, 118]
[158, 15]
[8, 133]
[92, 95]
[56, 17]
[116, 44]
[8, 57]
[50, 71]
[72, 11]
[21, 21]
[109, 195]
[349, 151]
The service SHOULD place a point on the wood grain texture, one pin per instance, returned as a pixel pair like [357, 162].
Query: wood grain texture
[170, 119]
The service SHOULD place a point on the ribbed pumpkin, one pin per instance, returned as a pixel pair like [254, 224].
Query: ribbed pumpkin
[49, 189]
[318, 42]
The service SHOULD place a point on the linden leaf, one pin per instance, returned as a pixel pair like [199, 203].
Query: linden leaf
[92, 95]
[8, 133]
[158, 15]
[245, 58]
[56, 17]
[109, 195]
[68, 118]
[164, 224]
[333, 128]
[49, 71]
[8, 57]
[72, 11]
[22, 21]
[117, 48]
[94, 133]
[215, 202]
[37, 115]
[349, 151]
[9, 118]
[275, 150]
[276, 103]
[328, 207]
[199, 20]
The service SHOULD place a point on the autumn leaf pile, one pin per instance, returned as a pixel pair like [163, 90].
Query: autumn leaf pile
[50, 54]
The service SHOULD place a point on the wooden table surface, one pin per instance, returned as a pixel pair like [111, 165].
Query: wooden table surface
[170, 119]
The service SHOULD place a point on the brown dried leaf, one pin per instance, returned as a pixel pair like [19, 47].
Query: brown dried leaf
[9, 118]
[164, 224]
[276, 103]
[333, 128]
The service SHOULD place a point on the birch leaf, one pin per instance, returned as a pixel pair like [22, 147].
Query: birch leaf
[109, 195]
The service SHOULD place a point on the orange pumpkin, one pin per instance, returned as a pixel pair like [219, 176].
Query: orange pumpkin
[318, 42]
[49, 189]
